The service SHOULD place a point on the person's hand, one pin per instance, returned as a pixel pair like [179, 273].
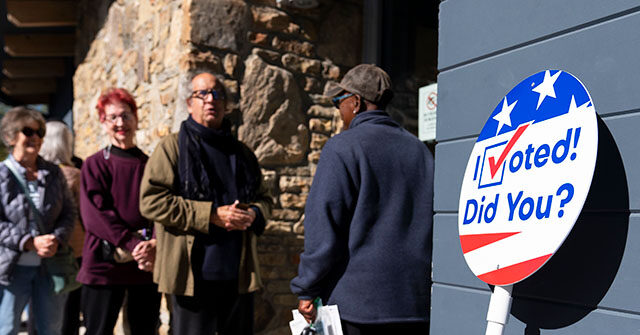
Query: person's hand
[45, 245]
[307, 309]
[230, 217]
[145, 255]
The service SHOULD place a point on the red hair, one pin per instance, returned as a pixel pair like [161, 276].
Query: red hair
[115, 95]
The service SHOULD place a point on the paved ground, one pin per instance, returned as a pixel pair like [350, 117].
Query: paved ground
[164, 320]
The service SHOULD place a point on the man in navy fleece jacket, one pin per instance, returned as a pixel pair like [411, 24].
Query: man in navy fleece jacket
[368, 218]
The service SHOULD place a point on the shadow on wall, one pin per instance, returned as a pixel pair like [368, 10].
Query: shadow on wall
[91, 17]
[578, 276]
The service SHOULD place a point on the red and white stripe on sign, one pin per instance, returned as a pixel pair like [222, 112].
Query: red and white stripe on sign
[508, 274]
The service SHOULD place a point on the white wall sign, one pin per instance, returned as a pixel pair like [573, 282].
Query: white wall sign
[427, 105]
[527, 177]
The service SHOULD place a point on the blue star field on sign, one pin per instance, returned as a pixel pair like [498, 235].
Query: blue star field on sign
[540, 97]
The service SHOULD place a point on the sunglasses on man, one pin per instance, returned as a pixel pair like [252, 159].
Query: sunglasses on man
[336, 101]
[28, 132]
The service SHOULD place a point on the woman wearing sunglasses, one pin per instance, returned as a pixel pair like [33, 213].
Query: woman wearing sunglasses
[36, 215]
[118, 252]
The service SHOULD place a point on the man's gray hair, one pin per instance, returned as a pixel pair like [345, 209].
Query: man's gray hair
[57, 146]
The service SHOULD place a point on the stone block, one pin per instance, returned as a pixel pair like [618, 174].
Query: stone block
[288, 300]
[286, 214]
[166, 98]
[269, 179]
[298, 227]
[269, 18]
[278, 286]
[300, 48]
[266, 55]
[295, 184]
[322, 111]
[292, 200]
[271, 238]
[301, 64]
[232, 87]
[336, 124]
[220, 24]
[278, 226]
[263, 247]
[302, 171]
[272, 259]
[161, 131]
[320, 99]
[320, 126]
[258, 38]
[272, 123]
[318, 141]
[331, 71]
[230, 64]
[284, 272]
[293, 29]
[205, 61]
[271, 3]
[314, 157]
[312, 85]
[130, 60]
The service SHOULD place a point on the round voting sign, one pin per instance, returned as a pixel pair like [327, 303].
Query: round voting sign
[527, 177]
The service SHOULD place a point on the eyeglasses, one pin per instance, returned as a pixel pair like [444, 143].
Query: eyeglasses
[113, 118]
[336, 101]
[28, 132]
[202, 94]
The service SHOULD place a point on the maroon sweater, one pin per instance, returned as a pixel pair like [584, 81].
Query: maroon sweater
[109, 205]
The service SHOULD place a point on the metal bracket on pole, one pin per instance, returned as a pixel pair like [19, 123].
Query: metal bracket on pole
[499, 308]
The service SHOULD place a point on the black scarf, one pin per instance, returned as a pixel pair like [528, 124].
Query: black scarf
[197, 171]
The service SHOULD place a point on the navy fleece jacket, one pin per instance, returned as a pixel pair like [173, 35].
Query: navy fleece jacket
[368, 224]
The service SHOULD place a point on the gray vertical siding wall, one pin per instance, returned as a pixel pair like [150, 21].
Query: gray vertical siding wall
[486, 48]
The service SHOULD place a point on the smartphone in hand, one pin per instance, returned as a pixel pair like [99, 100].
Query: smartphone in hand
[242, 206]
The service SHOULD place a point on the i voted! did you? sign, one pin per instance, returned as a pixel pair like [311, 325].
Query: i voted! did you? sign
[527, 177]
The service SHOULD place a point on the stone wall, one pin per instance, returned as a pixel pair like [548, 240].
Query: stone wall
[274, 62]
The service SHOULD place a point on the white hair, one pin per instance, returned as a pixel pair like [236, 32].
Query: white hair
[57, 146]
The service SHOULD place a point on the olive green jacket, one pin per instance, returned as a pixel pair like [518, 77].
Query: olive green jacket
[177, 220]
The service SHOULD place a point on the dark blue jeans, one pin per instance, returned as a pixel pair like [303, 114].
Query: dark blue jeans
[30, 283]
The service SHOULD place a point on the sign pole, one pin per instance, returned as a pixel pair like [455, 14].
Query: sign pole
[499, 308]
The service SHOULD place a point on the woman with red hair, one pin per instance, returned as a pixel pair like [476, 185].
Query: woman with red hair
[119, 250]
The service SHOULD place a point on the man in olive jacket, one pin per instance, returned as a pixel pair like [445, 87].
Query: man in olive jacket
[204, 191]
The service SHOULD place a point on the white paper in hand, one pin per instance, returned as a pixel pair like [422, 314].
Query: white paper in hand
[328, 320]
[298, 323]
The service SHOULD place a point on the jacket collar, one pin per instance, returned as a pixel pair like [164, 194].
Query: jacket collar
[42, 171]
[375, 116]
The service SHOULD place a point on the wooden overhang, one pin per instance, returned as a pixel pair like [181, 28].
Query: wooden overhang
[47, 13]
[38, 45]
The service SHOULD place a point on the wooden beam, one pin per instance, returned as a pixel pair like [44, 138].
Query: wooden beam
[30, 13]
[39, 45]
[14, 87]
[33, 68]
[32, 99]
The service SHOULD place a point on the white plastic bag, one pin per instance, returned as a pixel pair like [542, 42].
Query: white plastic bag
[327, 321]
